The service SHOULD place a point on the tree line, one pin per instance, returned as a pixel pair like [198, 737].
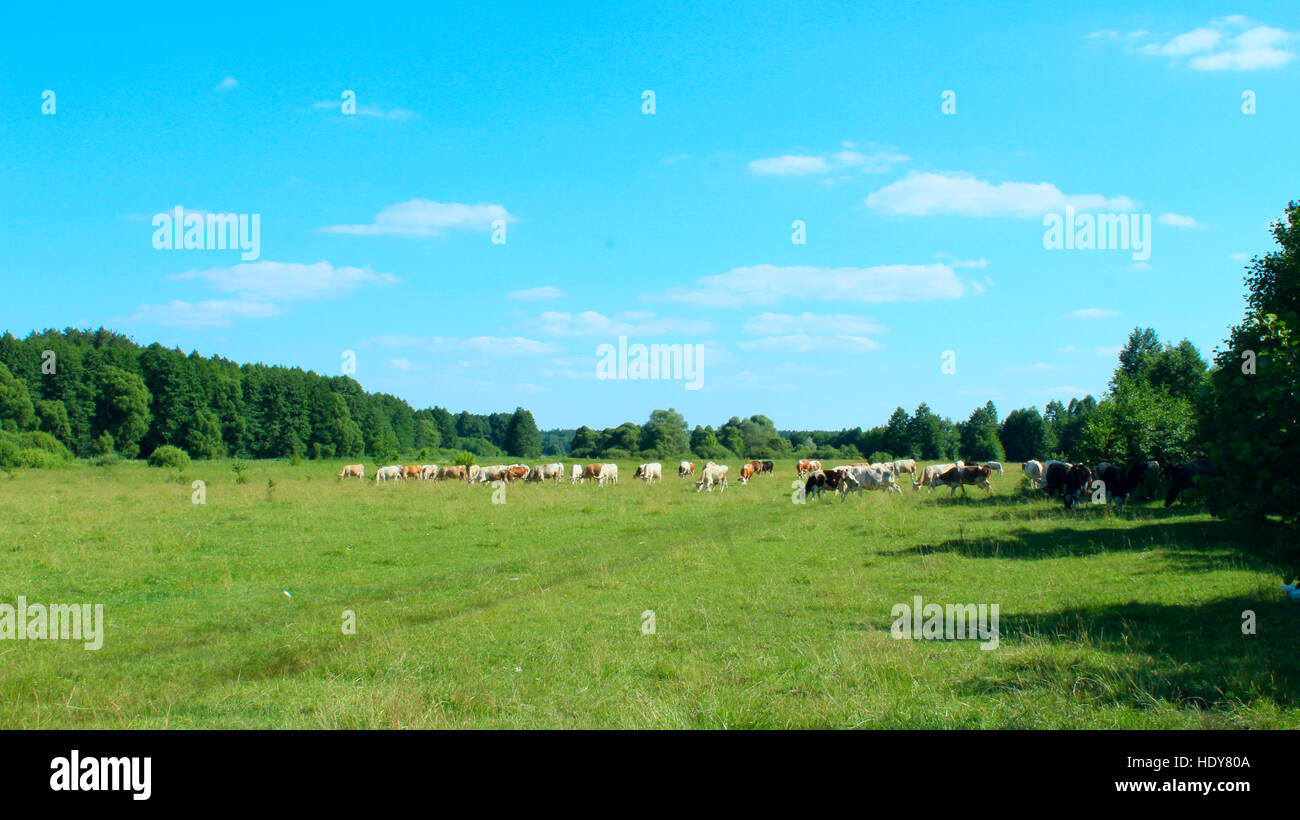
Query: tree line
[98, 394]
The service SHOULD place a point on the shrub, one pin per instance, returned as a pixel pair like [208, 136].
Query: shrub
[464, 458]
[169, 456]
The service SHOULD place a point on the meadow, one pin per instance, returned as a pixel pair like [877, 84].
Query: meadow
[529, 613]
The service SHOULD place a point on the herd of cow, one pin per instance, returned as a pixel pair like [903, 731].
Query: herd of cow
[1058, 478]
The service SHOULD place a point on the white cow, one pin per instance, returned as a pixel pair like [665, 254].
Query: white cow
[994, 465]
[494, 473]
[390, 473]
[575, 474]
[905, 465]
[429, 472]
[608, 472]
[870, 477]
[713, 474]
[1033, 470]
[542, 472]
[654, 471]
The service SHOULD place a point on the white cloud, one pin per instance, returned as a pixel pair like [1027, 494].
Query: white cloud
[1066, 349]
[373, 111]
[1179, 221]
[1231, 43]
[769, 284]
[404, 365]
[790, 164]
[971, 263]
[874, 161]
[488, 345]
[289, 280]
[1108, 351]
[423, 217]
[786, 324]
[1091, 313]
[1241, 257]
[226, 84]
[628, 323]
[805, 343]
[197, 315]
[541, 294]
[926, 193]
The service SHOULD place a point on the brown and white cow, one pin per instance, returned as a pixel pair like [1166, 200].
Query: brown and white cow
[747, 471]
[428, 472]
[808, 465]
[455, 471]
[591, 471]
[929, 474]
[653, 471]
[905, 465]
[685, 468]
[856, 479]
[353, 471]
[955, 477]
[516, 471]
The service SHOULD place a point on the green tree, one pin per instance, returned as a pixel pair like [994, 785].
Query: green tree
[123, 409]
[17, 413]
[1024, 435]
[522, 438]
[665, 433]
[1249, 414]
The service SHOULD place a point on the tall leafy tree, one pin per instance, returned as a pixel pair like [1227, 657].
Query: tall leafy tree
[522, 438]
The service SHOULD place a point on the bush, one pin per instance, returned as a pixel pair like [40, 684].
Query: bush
[879, 457]
[169, 456]
[106, 460]
[463, 458]
[32, 449]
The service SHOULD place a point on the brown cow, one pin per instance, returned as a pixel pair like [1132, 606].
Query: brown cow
[516, 471]
[748, 471]
[357, 470]
[591, 471]
[457, 471]
[411, 471]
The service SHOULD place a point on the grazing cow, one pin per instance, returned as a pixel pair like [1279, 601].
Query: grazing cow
[654, 471]
[747, 471]
[542, 472]
[856, 478]
[961, 476]
[455, 471]
[472, 471]
[994, 465]
[1033, 469]
[808, 465]
[357, 470]
[1066, 480]
[592, 471]
[1120, 484]
[390, 473]
[905, 465]
[713, 474]
[1054, 475]
[411, 471]
[1078, 479]
[685, 468]
[608, 472]
[821, 481]
[930, 474]
[885, 467]
[516, 471]
[575, 475]
[429, 472]
[1186, 476]
[497, 472]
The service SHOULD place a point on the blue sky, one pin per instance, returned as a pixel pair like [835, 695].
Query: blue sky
[924, 229]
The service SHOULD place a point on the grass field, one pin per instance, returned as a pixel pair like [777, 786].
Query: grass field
[529, 613]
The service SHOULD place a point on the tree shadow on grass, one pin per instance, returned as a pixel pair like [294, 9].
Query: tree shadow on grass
[1193, 544]
[1192, 655]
